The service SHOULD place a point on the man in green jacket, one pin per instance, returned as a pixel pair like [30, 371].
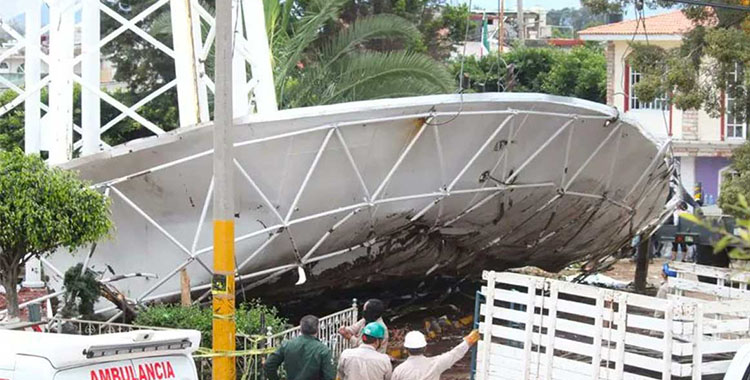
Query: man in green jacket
[304, 357]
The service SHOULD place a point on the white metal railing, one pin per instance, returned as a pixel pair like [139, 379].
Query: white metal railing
[328, 331]
[722, 283]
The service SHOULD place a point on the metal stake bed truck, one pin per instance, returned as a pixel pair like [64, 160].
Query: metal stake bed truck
[135, 355]
[539, 328]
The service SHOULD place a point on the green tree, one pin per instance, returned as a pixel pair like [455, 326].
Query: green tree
[580, 72]
[81, 292]
[736, 182]
[11, 124]
[43, 209]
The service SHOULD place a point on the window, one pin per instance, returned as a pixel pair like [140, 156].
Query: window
[20, 69]
[660, 103]
[736, 125]
[4, 66]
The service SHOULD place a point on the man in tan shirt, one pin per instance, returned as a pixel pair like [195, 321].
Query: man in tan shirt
[420, 367]
[365, 362]
[373, 312]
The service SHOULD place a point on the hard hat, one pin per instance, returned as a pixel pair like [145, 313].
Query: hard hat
[375, 330]
[415, 340]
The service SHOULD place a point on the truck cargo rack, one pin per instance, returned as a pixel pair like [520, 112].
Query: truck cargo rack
[539, 328]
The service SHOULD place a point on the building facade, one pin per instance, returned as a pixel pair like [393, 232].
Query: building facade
[12, 65]
[535, 26]
[702, 144]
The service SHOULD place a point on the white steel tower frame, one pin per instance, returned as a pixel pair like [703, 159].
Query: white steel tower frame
[54, 131]
[190, 50]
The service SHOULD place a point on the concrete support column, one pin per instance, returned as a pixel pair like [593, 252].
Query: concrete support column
[641, 265]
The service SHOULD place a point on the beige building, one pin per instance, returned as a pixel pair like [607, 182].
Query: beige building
[702, 144]
[535, 26]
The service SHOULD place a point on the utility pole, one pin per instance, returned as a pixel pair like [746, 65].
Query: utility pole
[222, 285]
[641, 265]
[501, 26]
[521, 23]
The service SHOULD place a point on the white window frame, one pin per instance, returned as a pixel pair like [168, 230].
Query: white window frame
[660, 104]
[731, 124]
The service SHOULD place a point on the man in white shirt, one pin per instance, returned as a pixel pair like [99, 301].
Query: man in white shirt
[365, 362]
[373, 312]
[420, 367]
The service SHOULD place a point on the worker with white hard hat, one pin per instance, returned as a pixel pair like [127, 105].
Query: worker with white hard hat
[418, 366]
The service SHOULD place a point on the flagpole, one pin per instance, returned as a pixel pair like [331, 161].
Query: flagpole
[483, 38]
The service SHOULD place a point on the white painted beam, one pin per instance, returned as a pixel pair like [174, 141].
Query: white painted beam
[240, 97]
[91, 74]
[257, 41]
[184, 62]
[61, 84]
[32, 70]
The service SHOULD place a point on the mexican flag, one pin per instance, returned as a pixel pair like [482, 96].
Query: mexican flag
[485, 36]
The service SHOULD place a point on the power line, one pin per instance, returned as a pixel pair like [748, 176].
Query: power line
[713, 4]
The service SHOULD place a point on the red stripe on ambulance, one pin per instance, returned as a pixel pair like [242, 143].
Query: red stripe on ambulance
[146, 371]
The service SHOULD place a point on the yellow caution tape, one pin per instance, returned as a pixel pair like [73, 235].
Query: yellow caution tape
[204, 352]
[226, 317]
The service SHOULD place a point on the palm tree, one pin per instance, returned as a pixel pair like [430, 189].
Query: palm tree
[317, 61]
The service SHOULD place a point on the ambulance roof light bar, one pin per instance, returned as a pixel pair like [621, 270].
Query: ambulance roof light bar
[122, 349]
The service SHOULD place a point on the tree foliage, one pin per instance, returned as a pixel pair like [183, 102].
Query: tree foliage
[736, 182]
[43, 209]
[161, 111]
[11, 124]
[318, 61]
[580, 72]
[81, 292]
[738, 239]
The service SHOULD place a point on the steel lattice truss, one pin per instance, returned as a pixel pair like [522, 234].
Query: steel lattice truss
[51, 126]
[410, 186]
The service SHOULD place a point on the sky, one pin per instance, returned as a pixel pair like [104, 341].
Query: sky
[548, 4]
[14, 7]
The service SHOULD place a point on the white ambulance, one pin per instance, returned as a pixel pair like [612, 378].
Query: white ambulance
[135, 355]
